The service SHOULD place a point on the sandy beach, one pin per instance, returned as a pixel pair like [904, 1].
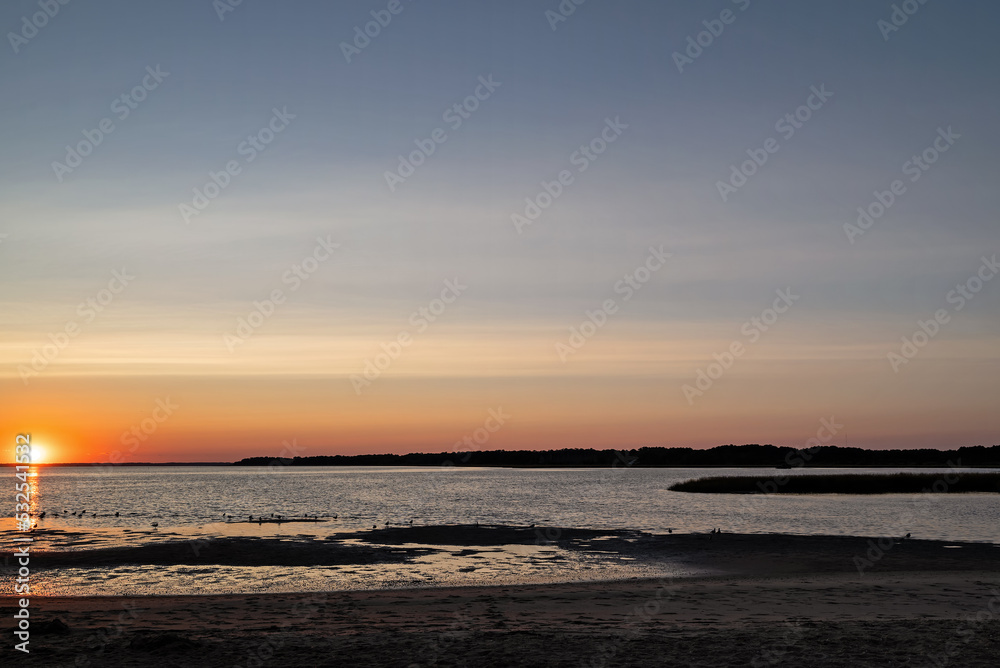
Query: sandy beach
[777, 601]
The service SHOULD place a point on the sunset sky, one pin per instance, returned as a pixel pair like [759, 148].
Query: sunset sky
[641, 137]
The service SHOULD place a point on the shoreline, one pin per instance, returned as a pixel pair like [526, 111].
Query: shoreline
[759, 600]
[445, 557]
[814, 619]
[992, 466]
[640, 582]
[403, 544]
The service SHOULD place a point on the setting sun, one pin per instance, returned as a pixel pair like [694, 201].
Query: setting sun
[37, 454]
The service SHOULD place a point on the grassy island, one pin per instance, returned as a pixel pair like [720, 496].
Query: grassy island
[848, 483]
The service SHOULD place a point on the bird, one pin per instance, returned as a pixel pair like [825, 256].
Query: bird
[670, 530]
[74, 513]
[116, 514]
[386, 525]
[374, 526]
[410, 522]
[531, 526]
[156, 524]
[251, 518]
[42, 516]
[334, 516]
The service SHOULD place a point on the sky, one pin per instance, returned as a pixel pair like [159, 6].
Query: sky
[254, 229]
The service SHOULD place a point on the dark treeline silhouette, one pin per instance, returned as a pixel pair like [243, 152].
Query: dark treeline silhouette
[723, 455]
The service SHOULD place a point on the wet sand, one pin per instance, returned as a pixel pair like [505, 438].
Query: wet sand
[778, 600]
[746, 552]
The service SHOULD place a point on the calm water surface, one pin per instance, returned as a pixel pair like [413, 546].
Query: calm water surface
[587, 498]
[193, 501]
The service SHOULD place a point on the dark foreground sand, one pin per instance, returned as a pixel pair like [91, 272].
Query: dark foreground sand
[783, 602]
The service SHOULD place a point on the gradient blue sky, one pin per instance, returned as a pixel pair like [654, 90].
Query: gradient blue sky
[324, 175]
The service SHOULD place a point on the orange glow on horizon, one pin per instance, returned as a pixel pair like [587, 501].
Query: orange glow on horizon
[609, 396]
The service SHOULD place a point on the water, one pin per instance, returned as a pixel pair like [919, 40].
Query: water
[190, 502]
[585, 498]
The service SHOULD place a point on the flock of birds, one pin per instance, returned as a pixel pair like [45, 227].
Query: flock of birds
[276, 518]
[273, 517]
[66, 513]
[81, 513]
[388, 524]
[260, 518]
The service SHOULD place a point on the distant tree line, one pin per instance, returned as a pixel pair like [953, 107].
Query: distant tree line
[723, 455]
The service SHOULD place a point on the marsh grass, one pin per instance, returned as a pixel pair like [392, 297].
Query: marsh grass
[848, 483]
